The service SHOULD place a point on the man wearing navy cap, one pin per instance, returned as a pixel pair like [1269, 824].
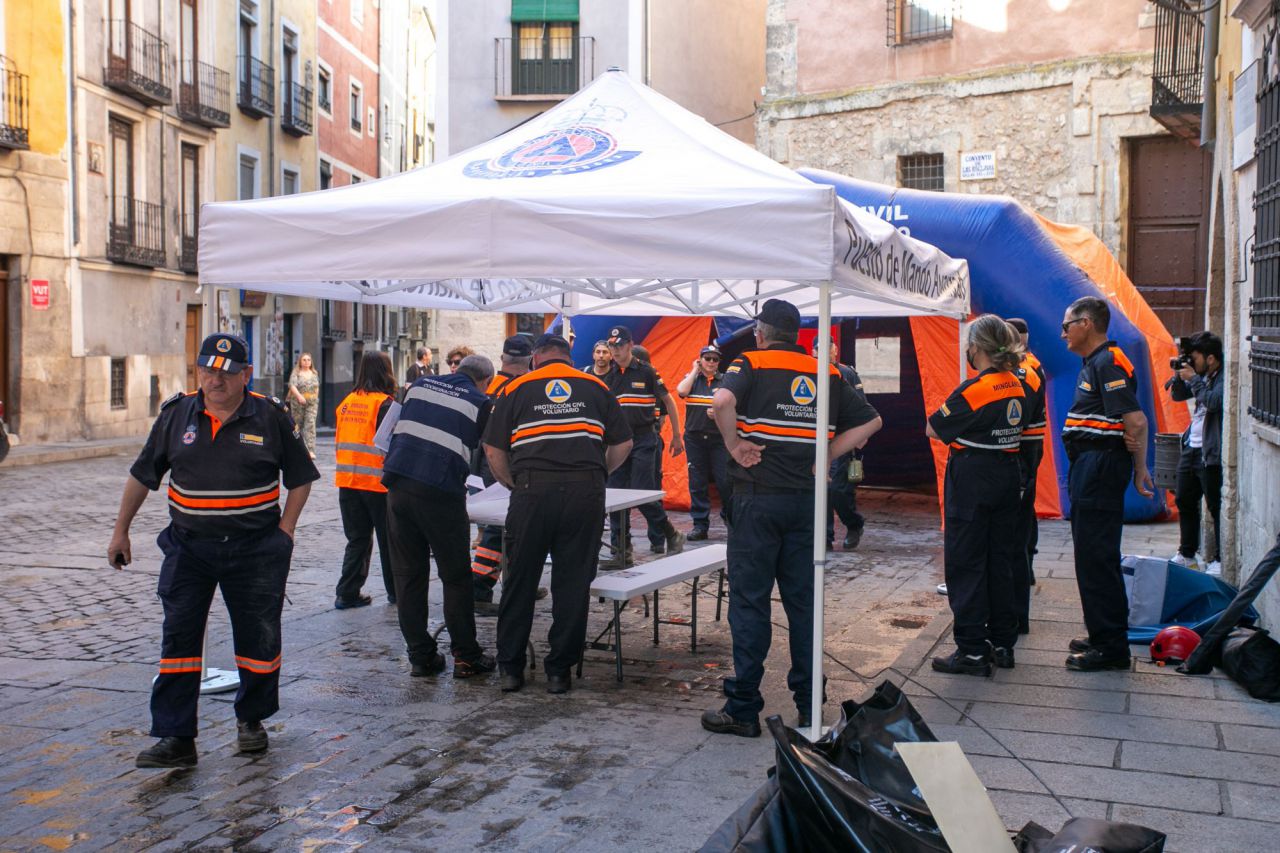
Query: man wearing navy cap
[226, 450]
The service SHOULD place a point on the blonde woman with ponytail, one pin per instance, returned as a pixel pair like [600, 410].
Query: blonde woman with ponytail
[981, 422]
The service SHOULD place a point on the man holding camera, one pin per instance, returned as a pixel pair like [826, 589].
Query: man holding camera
[1199, 376]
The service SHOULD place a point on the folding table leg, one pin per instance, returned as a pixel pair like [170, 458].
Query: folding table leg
[655, 617]
[720, 595]
[617, 636]
[693, 627]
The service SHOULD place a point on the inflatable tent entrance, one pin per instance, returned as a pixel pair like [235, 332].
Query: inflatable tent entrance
[1023, 265]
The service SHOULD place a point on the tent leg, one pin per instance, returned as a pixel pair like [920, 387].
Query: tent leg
[820, 466]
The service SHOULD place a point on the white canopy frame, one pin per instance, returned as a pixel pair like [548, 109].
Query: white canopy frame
[617, 201]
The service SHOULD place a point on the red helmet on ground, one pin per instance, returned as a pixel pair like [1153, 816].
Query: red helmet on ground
[1174, 644]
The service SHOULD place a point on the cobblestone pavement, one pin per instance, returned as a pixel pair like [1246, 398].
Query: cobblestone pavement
[361, 754]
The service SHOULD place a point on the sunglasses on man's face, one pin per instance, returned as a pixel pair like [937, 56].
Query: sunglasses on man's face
[1067, 325]
[711, 358]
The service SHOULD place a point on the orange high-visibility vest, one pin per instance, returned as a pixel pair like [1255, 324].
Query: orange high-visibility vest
[359, 462]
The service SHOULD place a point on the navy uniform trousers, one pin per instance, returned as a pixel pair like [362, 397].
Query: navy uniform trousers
[251, 569]
[980, 547]
[639, 471]
[1096, 484]
[1028, 535]
[708, 462]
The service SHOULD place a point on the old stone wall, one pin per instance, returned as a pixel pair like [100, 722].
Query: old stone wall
[1058, 132]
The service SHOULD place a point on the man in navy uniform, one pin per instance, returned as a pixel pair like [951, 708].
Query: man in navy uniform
[225, 450]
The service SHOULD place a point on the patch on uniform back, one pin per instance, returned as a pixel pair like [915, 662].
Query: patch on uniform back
[189, 434]
[802, 390]
[558, 391]
[1013, 412]
[246, 438]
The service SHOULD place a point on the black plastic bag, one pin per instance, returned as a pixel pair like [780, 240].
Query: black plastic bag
[761, 825]
[1252, 659]
[1086, 833]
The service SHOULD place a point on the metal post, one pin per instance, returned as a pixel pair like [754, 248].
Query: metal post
[820, 465]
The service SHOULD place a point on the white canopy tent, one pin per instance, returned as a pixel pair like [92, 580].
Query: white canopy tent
[616, 201]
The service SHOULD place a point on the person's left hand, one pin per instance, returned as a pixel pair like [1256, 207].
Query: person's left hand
[677, 445]
[1186, 374]
[1143, 483]
[287, 531]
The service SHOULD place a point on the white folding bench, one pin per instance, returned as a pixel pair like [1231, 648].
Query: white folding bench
[622, 586]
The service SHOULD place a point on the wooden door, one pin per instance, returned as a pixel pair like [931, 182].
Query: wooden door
[190, 46]
[4, 342]
[1169, 182]
[193, 344]
[121, 131]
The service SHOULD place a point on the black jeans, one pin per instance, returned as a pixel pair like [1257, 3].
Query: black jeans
[639, 472]
[561, 514]
[980, 547]
[708, 461]
[424, 523]
[251, 569]
[364, 516]
[1197, 481]
[1096, 484]
[842, 498]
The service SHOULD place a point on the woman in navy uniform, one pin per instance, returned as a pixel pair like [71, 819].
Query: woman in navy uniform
[981, 422]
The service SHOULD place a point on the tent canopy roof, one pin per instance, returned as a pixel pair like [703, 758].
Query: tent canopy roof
[615, 201]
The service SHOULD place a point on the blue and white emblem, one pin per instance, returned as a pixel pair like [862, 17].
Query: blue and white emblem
[802, 390]
[560, 152]
[558, 391]
[1013, 412]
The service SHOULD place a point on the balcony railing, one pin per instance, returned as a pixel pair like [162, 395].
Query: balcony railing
[136, 232]
[204, 94]
[15, 95]
[190, 242]
[138, 63]
[562, 66]
[1177, 76]
[295, 109]
[257, 87]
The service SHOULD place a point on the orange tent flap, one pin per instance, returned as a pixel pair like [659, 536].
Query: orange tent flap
[674, 343]
[937, 345]
[1089, 253]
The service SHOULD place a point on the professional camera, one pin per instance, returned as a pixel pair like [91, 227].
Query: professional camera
[1184, 355]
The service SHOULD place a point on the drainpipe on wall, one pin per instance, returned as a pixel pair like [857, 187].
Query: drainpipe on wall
[71, 123]
[160, 28]
[271, 127]
[1209, 102]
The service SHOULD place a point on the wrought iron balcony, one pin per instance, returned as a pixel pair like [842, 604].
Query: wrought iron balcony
[204, 94]
[138, 63]
[15, 96]
[1177, 77]
[135, 234]
[560, 66]
[257, 88]
[295, 111]
[190, 243]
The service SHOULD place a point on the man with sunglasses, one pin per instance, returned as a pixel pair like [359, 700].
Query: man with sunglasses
[1105, 435]
[708, 458]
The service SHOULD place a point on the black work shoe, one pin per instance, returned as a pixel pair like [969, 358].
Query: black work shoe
[486, 608]
[675, 540]
[350, 603]
[435, 666]
[169, 752]
[851, 539]
[1096, 660]
[1002, 657]
[559, 683]
[250, 736]
[1080, 644]
[658, 547]
[803, 719]
[961, 664]
[391, 599]
[722, 724]
[697, 535]
[471, 668]
[511, 683]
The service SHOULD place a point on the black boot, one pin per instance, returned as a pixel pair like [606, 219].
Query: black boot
[169, 752]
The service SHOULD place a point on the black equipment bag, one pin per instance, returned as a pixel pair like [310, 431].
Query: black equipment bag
[1252, 659]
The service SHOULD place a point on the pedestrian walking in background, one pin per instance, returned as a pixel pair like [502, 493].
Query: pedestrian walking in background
[601, 360]
[304, 397]
[425, 472]
[1105, 435]
[554, 436]
[766, 411]
[456, 355]
[981, 422]
[226, 451]
[362, 499]
[1200, 466]
[842, 493]
[420, 368]
[1031, 450]
[707, 456]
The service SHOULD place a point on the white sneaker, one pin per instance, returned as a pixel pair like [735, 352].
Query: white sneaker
[942, 589]
[1187, 562]
[1214, 568]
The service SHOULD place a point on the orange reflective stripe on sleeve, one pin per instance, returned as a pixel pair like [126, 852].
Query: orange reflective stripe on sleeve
[260, 667]
[1093, 424]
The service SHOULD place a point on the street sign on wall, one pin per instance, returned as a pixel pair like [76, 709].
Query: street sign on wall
[40, 294]
[977, 165]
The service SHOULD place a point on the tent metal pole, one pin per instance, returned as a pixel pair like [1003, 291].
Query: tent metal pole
[820, 466]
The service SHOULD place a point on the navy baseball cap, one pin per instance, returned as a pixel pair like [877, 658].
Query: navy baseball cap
[619, 335]
[550, 340]
[517, 346]
[710, 349]
[780, 314]
[228, 353]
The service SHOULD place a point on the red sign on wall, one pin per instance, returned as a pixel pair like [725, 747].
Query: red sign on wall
[40, 294]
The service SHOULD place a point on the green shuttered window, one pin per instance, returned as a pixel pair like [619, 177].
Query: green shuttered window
[544, 10]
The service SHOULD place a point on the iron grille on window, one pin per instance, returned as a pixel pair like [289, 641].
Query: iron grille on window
[910, 21]
[14, 98]
[118, 399]
[1177, 73]
[920, 172]
[1264, 307]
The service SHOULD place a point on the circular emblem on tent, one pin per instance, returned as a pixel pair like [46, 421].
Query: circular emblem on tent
[1013, 412]
[559, 152]
[558, 391]
[189, 434]
[802, 390]
[223, 345]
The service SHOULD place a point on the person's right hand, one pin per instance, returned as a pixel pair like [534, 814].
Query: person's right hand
[1186, 374]
[119, 551]
[696, 366]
